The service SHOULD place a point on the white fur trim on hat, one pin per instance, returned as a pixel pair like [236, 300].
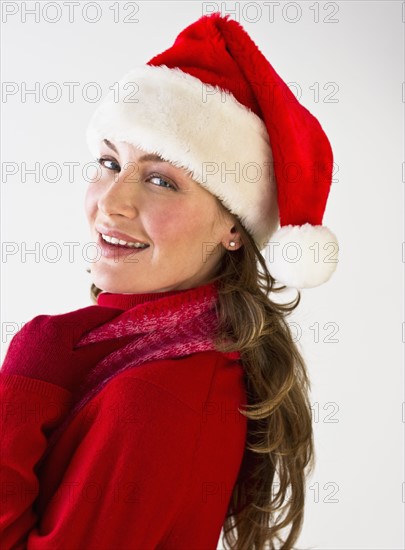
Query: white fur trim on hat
[198, 127]
[302, 256]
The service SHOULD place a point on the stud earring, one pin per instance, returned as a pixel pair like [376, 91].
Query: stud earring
[232, 243]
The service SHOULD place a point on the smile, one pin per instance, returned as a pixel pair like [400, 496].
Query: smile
[120, 242]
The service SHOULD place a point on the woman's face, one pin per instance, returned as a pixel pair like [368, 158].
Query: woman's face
[156, 203]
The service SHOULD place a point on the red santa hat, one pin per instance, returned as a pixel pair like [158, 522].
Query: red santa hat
[213, 104]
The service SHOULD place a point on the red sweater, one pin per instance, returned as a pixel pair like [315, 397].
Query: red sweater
[148, 463]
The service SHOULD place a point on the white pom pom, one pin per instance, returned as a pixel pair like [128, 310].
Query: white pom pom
[302, 256]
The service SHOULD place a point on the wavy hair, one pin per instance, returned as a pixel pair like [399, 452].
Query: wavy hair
[279, 450]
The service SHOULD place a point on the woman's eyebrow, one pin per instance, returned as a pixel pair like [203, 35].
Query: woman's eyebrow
[144, 158]
[152, 157]
[110, 145]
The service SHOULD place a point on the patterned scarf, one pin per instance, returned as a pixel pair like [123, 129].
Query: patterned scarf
[171, 326]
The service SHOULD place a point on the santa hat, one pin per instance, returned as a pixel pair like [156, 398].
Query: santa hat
[213, 104]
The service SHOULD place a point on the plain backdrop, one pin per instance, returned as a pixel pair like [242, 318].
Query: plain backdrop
[345, 61]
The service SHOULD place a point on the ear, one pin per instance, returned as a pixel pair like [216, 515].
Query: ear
[232, 236]
[229, 224]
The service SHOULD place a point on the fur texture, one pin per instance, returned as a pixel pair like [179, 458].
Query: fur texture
[302, 256]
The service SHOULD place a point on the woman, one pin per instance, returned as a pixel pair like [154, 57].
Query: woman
[178, 403]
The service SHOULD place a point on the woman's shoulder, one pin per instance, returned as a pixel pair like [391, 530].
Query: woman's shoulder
[48, 326]
[193, 379]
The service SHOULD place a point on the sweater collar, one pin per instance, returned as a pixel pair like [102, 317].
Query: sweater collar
[129, 301]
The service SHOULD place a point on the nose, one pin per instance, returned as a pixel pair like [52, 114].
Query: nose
[119, 197]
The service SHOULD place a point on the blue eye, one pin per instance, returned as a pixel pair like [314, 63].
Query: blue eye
[168, 184]
[103, 159]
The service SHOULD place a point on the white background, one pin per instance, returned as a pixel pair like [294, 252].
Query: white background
[357, 381]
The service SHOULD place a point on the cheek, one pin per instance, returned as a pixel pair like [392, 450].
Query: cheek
[182, 225]
[162, 224]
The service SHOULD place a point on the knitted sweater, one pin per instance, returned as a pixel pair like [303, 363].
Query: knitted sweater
[149, 462]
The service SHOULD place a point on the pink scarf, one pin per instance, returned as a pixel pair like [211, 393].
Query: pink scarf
[172, 326]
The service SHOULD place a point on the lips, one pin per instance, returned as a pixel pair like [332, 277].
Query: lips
[118, 252]
[118, 234]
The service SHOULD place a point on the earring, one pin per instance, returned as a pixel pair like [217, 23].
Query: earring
[232, 243]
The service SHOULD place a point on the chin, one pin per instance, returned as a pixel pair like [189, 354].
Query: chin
[108, 284]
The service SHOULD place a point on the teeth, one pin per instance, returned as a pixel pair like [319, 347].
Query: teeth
[114, 240]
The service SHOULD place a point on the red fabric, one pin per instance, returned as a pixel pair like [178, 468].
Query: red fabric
[148, 462]
[217, 50]
[128, 301]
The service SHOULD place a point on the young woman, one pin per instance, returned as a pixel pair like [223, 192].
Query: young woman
[178, 403]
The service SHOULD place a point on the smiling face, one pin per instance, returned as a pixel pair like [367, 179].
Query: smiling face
[157, 203]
